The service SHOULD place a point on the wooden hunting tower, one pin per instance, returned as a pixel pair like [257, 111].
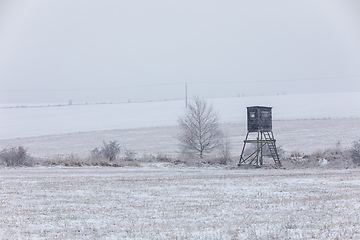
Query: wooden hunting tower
[259, 125]
[259, 119]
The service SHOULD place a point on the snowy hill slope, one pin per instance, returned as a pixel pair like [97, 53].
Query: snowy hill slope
[40, 121]
[303, 123]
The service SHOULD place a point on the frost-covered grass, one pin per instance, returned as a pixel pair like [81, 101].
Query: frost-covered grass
[176, 203]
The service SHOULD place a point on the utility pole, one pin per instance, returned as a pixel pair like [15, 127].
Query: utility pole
[186, 95]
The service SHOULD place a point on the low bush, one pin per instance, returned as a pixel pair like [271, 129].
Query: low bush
[355, 152]
[16, 156]
[109, 151]
[129, 155]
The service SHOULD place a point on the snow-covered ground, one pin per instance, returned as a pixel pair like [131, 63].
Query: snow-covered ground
[176, 203]
[40, 121]
[156, 202]
[303, 136]
[302, 123]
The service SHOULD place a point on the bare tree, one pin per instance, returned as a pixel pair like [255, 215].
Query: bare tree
[200, 131]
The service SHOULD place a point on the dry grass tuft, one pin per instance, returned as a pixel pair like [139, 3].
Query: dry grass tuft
[329, 158]
[74, 161]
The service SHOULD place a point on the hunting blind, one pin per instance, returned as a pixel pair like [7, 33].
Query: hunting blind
[260, 135]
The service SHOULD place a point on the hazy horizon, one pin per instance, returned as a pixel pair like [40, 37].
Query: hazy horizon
[138, 50]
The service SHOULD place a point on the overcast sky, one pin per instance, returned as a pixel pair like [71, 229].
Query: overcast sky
[87, 50]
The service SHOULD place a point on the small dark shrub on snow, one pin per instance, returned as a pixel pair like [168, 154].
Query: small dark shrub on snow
[109, 151]
[355, 152]
[129, 155]
[14, 157]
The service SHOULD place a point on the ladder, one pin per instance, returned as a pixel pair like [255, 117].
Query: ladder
[270, 141]
[256, 158]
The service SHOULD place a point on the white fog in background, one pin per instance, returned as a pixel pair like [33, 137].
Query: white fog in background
[89, 51]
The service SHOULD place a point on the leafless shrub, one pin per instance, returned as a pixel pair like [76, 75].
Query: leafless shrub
[16, 156]
[129, 155]
[355, 152]
[200, 131]
[225, 150]
[109, 151]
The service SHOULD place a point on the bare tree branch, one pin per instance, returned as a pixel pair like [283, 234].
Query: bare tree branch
[200, 131]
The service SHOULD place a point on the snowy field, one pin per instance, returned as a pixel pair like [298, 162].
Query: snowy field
[158, 201]
[302, 123]
[176, 203]
[34, 120]
[303, 136]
